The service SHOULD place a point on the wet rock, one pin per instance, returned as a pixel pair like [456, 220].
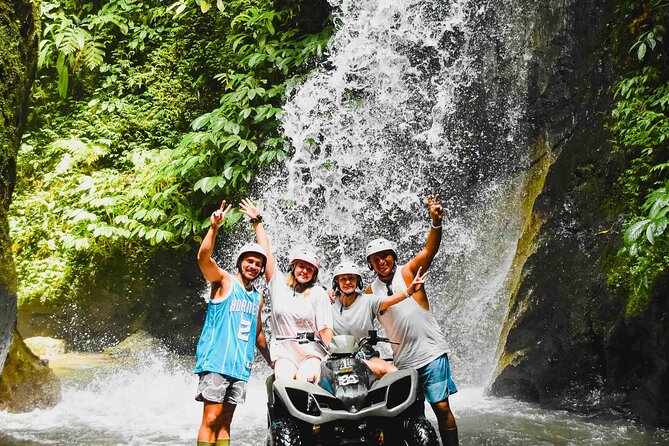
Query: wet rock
[27, 382]
[567, 343]
[45, 346]
[133, 345]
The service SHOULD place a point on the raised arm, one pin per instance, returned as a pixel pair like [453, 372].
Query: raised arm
[251, 211]
[396, 298]
[210, 270]
[424, 258]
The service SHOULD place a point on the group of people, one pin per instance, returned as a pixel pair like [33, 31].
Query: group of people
[233, 329]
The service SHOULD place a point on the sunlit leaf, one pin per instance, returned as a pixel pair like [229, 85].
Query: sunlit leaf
[633, 232]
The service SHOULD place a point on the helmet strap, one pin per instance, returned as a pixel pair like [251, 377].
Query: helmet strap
[391, 275]
[346, 295]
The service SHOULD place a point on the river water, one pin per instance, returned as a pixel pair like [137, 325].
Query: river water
[149, 401]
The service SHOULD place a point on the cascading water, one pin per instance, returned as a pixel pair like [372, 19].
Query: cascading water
[381, 127]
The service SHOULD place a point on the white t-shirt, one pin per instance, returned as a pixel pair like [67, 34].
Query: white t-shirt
[358, 318]
[415, 328]
[293, 313]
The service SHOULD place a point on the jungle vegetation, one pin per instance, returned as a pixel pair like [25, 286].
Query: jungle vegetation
[144, 114]
[640, 123]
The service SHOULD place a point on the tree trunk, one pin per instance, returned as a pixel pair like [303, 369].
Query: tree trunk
[22, 372]
[18, 54]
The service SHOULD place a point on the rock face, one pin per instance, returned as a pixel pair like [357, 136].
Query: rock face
[27, 383]
[165, 299]
[566, 343]
[18, 55]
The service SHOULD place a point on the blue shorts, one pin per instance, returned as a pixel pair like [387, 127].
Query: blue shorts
[435, 380]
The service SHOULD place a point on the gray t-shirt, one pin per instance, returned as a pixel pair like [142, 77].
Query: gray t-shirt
[417, 331]
[358, 318]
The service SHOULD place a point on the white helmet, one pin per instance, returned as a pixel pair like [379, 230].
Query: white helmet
[306, 256]
[251, 248]
[346, 268]
[379, 245]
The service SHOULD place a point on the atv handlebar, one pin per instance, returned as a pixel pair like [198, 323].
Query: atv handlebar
[302, 338]
[366, 343]
[372, 339]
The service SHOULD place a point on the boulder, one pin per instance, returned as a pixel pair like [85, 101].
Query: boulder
[44, 346]
[133, 345]
[27, 382]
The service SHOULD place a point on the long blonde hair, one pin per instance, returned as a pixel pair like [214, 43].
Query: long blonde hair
[292, 282]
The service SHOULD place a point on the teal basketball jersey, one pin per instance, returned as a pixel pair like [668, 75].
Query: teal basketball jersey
[227, 342]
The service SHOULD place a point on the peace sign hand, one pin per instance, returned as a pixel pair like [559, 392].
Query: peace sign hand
[436, 209]
[418, 281]
[218, 215]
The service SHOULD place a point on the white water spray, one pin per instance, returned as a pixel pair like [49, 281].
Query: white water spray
[372, 135]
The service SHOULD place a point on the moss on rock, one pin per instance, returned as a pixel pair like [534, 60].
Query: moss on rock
[19, 23]
[543, 157]
[27, 382]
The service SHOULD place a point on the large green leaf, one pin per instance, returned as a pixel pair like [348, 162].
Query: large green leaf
[634, 231]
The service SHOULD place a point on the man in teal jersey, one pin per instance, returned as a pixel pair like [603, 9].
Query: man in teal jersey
[421, 341]
[231, 329]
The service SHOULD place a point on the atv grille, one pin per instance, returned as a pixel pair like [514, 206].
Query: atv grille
[326, 402]
[398, 392]
[303, 401]
[376, 396]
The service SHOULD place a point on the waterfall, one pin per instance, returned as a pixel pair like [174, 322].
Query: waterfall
[411, 100]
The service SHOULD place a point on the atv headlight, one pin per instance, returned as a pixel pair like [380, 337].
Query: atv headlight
[303, 401]
[398, 392]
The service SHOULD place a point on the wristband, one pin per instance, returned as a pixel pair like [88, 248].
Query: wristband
[432, 225]
[406, 293]
[257, 219]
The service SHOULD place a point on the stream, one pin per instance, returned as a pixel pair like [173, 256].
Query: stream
[149, 401]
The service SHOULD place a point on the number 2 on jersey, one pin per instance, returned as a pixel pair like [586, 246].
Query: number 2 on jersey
[244, 330]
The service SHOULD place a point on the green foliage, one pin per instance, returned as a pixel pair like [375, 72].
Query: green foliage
[144, 116]
[232, 142]
[70, 40]
[640, 121]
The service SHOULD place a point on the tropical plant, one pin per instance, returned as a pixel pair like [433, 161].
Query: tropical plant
[144, 114]
[640, 121]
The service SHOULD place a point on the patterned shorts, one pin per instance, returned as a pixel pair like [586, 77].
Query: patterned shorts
[218, 388]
